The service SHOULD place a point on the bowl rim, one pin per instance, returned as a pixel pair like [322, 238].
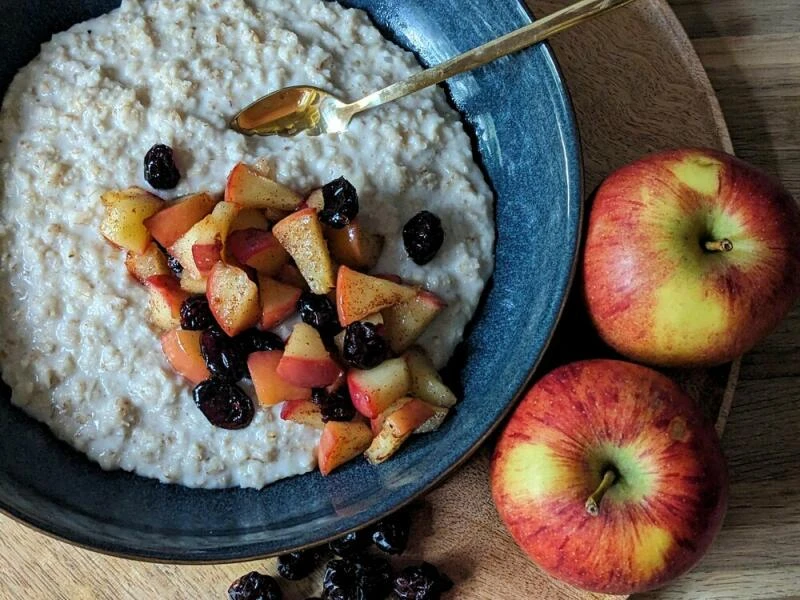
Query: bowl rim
[83, 542]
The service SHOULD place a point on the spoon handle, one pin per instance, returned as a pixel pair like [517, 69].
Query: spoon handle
[545, 27]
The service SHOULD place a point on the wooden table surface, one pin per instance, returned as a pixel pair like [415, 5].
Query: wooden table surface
[751, 50]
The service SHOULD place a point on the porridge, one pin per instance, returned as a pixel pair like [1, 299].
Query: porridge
[75, 345]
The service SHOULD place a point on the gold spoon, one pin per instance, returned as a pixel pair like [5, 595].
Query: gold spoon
[305, 108]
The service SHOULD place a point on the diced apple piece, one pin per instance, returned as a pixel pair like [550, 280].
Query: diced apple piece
[375, 319]
[166, 298]
[426, 383]
[270, 388]
[435, 421]
[233, 299]
[374, 390]
[194, 286]
[274, 215]
[306, 362]
[405, 322]
[359, 295]
[341, 441]
[257, 248]
[169, 224]
[278, 301]
[304, 412]
[249, 188]
[125, 213]
[301, 235]
[182, 349]
[150, 262]
[354, 247]
[205, 256]
[250, 218]
[316, 200]
[211, 231]
[291, 275]
[397, 426]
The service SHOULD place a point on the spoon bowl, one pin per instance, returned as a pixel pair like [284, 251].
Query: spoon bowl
[291, 110]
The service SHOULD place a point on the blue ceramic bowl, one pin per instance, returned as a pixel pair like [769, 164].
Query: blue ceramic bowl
[525, 137]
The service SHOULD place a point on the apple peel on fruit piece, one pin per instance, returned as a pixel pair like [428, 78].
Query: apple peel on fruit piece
[691, 257]
[150, 262]
[166, 299]
[609, 477]
[406, 321]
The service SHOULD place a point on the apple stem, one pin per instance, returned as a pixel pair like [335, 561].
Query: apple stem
[593, 503]
[723, 245]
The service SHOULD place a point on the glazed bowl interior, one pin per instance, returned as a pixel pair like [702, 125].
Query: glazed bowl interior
[519, 116]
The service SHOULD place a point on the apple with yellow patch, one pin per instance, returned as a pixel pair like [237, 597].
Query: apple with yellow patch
[182, 349]
[301, 235]
[125, 214]
[169, 224]
[341, 442]
[359, 295]
[306, 362]
[270, 387]
[233, 299]
[610, 478]
[691, 258]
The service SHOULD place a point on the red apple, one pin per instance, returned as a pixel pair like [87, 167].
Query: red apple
[306, 362]
[375, 390]
[278, 301]
[258, 249]
[182, 349]
[610, 478]
[270, 387]
[167, 225]
[691, 258]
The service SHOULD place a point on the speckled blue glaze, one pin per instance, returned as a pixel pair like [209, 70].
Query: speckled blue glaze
[531, 157]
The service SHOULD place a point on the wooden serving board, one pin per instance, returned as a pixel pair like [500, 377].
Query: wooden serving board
[637, 86]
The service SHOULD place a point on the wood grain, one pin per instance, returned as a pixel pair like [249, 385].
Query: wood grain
[635, 89]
